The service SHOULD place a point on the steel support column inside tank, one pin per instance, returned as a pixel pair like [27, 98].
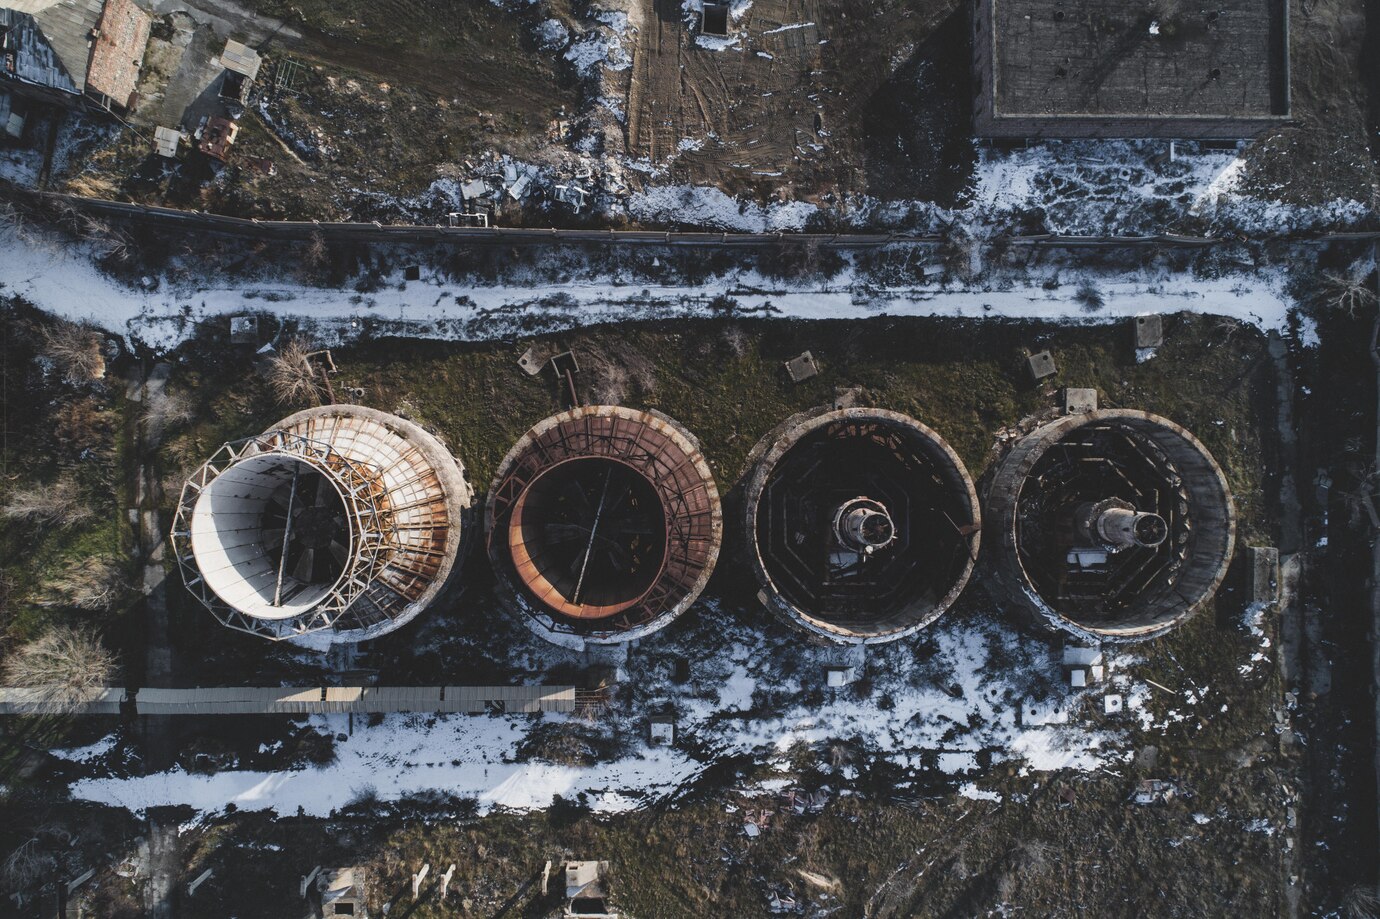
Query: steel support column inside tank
[864, 524]
[341, 519]
[1114, 524]
[604, 524]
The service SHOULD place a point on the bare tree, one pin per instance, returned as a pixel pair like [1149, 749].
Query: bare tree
[965, 248]
[1350, 290]
[60, 504]
[317, 253]
[111, 242]
[89, 584]
[1361, 902]
[27, 865]
[76, 349]
[62, 669]
[293, 376]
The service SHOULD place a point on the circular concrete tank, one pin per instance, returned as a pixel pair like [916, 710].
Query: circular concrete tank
[341, 520]
[603, 524]
[863, 523]
[1114, 524]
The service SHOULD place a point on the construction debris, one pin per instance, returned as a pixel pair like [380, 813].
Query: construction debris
[1153, 791]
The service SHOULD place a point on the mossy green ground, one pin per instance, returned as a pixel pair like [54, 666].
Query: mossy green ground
[724, 380]
[1055, 843]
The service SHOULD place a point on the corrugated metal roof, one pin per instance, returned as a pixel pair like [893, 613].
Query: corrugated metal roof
[35, 59]
[241, 59]
[67, 25]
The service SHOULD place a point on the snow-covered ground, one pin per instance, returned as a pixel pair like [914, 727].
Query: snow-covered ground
[934, 706]
[63, 280]
[1091, 188]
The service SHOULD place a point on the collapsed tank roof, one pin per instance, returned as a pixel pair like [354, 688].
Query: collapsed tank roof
[603, 523]
[1114, 524]
[341, 519]
[864, 524]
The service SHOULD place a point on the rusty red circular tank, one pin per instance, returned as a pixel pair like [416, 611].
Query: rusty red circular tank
[603, 524]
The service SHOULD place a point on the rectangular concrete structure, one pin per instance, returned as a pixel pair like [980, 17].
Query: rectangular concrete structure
[259, 700]
[1149, 331]
[1111, 68]
[20, 701]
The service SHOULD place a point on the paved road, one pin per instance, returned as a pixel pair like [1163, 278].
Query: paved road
[165, 861]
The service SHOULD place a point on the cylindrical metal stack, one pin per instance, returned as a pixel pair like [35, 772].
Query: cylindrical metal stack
[863, 524]
[1114, 524]
[603, 524]
[339, 518]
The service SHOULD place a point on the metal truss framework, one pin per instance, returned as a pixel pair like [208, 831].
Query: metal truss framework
[373, 534]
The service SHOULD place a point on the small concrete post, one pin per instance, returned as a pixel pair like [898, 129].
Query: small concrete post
[306, 881]
[191, 888]
[445, 879]
[418, 878]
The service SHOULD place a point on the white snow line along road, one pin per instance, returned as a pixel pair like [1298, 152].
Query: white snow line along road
[63, 280]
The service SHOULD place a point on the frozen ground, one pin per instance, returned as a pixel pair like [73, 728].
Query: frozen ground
[160, 313]
[1088, 188]
[935, 709]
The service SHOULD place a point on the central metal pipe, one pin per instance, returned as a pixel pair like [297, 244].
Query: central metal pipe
[1117, 524]
[864, 525]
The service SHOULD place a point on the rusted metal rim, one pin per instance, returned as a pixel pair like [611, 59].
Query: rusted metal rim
[535, 579]
[659, 451]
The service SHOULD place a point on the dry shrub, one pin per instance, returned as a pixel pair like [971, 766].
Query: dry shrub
[165, 410]
[1350, 290]
[60, 504]
[63, 668]
[80, 424]
[610, 385]
[76, 349]
[292, 375]
[317, 253]
[90, 584]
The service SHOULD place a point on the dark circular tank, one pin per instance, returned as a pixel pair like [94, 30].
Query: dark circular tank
[603, 523]
[863, 523]
[1112, 524]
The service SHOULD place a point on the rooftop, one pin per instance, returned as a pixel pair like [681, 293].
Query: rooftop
[74, 45]
[241, 59]
[46, 46]
[1109, 59]
[118, 52]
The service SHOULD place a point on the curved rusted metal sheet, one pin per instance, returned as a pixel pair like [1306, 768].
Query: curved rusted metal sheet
[574, 473]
